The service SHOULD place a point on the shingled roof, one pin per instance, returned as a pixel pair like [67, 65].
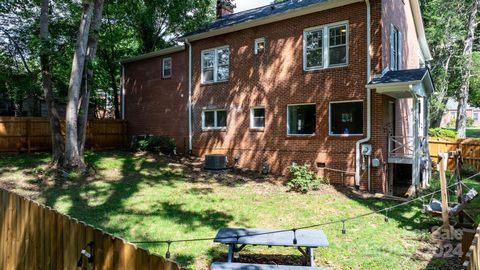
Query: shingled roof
[254, 14]
[399, 76]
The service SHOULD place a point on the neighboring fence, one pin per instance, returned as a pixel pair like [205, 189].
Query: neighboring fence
[470, 150]
[472, 258]
[33, 236]
[33, 134]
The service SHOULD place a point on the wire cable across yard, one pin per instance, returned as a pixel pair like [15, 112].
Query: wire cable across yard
[343, 221]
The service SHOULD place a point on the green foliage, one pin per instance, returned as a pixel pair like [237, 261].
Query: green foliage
[304, 179]
[468, 170]
[474, 92]
[442, 133]
[470, 122]
[155, 144]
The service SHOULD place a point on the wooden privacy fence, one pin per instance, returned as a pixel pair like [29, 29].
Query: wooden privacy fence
[470, 150]
[33, 134]
[472, 258]
[33, 236]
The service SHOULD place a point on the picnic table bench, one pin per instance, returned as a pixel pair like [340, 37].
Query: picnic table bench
[247, 266]
[239, 238]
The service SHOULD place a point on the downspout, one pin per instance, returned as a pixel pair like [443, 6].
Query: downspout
[123, 92]
[189, 104]
[369, 99]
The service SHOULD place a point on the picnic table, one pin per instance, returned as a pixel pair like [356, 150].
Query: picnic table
[238, 238]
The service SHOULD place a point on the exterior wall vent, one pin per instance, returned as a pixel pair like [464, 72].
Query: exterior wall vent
[215, 162]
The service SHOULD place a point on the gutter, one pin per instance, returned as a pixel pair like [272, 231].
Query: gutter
[189, 104]
[369, 101]
[169, 50]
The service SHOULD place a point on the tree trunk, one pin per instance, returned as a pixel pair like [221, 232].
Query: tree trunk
[467, 68]
[91, 53]
[113, 82]
[57, 140]
[441, 96]
[73, 159]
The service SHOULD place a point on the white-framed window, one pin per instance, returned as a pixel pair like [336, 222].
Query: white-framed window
[453, 114]
[215, 64]
[260, 45]
[167, 67]
[475, 116]
[395, 48]
[346, 118]
[301, 119]
[325, 46]
[257, 117]
[214, 119]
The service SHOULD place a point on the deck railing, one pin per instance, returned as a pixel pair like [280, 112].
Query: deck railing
[400, 146]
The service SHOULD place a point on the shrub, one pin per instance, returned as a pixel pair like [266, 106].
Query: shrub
[155, 144]
[470, 122]
[304, 179]
[469, 170]
[442, 132]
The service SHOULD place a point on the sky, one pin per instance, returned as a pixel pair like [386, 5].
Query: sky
[248, 4]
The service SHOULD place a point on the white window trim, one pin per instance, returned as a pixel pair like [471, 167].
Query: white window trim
[163, 67]
[330, 118]
[326, 45]
[215, 127]
[215, 64]
[288, 121]
[259, 40]
[393, 28]
[251, 117]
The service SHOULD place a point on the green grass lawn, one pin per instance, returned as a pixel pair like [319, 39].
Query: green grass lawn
[141, 197]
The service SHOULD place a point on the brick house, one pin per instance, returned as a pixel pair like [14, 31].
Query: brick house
[334, 84]
[449, 116]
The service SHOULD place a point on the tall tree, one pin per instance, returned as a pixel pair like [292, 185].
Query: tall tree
[73, 159]
[88, 74]
[444, 30]
[45, 47]
[466, 70]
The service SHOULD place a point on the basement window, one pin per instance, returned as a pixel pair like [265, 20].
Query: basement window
[167, 67]
[346, 118]
[214, 119]
[257, 117]
[215, 65]
[301, 119]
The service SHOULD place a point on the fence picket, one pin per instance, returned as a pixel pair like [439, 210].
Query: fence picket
[33, 134]
[33, 236]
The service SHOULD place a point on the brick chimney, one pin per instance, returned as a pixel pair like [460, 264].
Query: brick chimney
[224, 7]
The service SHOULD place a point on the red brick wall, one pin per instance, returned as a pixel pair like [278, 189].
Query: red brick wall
[154, 105]
[273, 80]
[276, 80]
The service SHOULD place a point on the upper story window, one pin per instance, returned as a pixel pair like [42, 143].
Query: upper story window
[215, 65]
[260, 45]
[395, 48]
[167, 67]
[325, 46]
[346, 118]
[475, 116]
